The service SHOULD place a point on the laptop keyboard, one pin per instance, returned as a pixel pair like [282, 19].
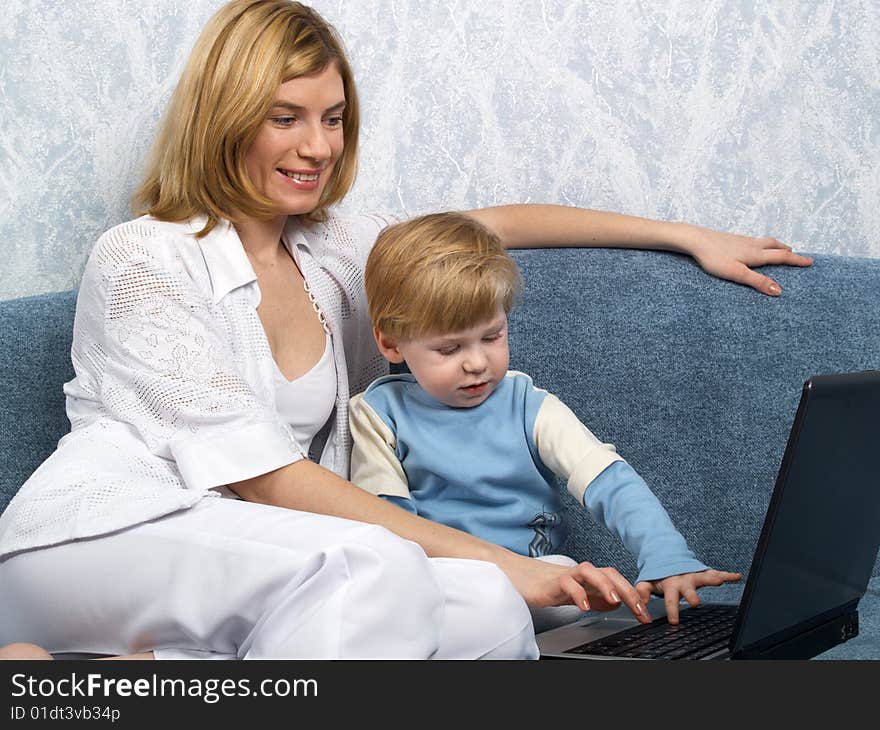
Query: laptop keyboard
[701, 631]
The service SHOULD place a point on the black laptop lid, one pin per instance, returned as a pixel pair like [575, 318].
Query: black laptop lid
[822, 530]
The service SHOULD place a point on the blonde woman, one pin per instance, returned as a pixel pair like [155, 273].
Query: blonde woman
[200, 506]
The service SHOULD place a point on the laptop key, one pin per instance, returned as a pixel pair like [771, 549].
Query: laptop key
[710, 650]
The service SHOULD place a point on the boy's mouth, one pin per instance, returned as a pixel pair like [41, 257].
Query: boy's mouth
[476, 388]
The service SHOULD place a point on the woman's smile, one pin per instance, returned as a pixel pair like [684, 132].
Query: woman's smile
[300, 179]
[295, 152]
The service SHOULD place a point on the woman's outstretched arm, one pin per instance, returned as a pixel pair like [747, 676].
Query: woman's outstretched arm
[725, 255]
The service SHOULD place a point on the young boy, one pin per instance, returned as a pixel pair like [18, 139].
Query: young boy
[465, 442]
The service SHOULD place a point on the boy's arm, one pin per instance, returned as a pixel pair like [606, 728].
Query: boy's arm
[621, 500]
[374, 464]
[612, 491]
[618, 497]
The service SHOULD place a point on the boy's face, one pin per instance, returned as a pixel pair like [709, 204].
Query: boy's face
[460, 369]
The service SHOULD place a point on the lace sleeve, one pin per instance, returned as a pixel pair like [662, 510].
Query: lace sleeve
[171, 373]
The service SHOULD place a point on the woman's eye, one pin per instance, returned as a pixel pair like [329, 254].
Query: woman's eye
[334, 122]
[284, 121]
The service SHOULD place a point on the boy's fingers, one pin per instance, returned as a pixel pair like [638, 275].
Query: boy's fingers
[644, 589]
[670, 598]
[690, 595]
[717, 577]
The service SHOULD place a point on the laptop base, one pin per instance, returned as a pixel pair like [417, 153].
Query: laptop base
[810, 643]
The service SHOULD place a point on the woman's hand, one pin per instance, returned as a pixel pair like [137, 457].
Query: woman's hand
[590, 588]
[725, 255]
[731, 256]
[676, 587]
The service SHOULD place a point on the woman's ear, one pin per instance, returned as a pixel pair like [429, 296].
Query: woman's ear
[387, 346]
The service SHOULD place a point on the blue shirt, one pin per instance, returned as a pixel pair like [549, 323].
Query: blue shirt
[484, 470]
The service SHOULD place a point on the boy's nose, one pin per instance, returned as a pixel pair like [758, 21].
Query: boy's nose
[475, 362]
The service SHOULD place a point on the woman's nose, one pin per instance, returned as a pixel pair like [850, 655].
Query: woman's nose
[314, 144]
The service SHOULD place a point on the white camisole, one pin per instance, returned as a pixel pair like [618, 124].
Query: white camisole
[307, 402]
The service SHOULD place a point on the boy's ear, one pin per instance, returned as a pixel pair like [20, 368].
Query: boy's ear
[387, 347]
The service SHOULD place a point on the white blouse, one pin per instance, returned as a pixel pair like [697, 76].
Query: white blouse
[174, 388]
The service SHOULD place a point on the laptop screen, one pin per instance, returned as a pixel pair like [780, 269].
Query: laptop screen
[819, 541]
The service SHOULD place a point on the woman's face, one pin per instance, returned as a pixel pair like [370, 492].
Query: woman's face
[300, 141]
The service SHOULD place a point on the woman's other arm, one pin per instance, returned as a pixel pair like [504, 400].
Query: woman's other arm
[308, 487]
[725, 255]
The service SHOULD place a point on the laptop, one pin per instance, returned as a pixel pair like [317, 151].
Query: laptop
[813, 559]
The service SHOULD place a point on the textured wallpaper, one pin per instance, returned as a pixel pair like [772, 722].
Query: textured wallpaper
[758, 117]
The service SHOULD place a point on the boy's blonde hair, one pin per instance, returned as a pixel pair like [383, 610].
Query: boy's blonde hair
[438, 274]
[247, 50]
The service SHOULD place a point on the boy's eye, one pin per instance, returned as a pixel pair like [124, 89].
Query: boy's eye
[451, 350]
[490, 338]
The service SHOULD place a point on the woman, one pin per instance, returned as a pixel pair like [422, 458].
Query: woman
[217, 341]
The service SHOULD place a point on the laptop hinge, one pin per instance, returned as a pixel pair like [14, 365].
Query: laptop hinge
[808, 644]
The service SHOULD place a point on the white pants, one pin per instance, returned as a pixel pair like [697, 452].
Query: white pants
[235, 579]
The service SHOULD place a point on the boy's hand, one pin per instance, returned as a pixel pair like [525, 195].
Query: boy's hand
[676, 587]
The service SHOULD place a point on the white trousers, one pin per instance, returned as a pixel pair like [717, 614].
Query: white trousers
[233, 579]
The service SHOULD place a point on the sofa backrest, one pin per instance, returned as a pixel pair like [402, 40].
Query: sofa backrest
[35, 333]
[695, 380]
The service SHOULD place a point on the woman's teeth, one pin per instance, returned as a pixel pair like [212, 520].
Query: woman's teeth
[310, 177]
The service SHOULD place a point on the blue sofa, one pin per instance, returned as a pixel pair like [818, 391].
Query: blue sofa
[695, 380]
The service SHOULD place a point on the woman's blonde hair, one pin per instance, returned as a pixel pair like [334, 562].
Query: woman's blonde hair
[438, 274]
[247, 50]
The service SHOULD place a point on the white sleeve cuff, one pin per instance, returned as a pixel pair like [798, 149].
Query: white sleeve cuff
[591, 466]
[212, 461]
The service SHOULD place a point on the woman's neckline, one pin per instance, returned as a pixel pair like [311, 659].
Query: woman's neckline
[281, 377]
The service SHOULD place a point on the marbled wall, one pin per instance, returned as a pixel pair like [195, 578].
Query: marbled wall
[759, 117]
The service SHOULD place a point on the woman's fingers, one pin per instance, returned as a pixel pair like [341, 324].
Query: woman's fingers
[785, 256]
[575, 591]
[606, 586]
[732, 256]
[742, 274]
